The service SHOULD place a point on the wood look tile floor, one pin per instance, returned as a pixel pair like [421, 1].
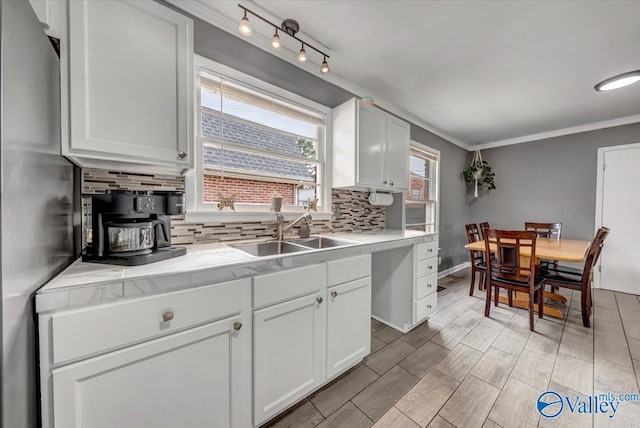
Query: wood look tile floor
[460, 369]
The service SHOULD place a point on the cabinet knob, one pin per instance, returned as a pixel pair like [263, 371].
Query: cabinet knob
[429, 285]
[430, 250]
[319, 300]
[237, 326]
[334, 293]
[430, 267]
[429, 306]
[167, 316]
[182, 154]
[384, 182]
[391, 183]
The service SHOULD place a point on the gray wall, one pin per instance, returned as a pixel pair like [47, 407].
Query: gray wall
[548, 180]
[220, 46]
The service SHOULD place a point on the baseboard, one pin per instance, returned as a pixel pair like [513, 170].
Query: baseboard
[454, 269]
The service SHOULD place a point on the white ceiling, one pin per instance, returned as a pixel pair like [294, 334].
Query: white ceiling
[479, 71]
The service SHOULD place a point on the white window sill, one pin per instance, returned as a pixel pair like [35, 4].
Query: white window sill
[227, 216]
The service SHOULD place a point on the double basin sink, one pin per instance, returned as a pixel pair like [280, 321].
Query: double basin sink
[272, 248]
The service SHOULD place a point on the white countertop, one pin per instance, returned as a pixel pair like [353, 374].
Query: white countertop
[90, 283]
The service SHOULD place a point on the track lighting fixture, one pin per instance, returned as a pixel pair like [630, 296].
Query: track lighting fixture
[302, 55]
[275, 40]
[290, 28]
[245, 25]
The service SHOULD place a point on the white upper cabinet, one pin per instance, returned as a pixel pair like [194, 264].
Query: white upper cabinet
[127, 78]
[370, 148]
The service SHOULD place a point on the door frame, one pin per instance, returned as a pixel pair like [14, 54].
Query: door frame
[600, 194]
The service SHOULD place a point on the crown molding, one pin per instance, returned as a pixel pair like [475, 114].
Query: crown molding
[207, 12]
[561, 132]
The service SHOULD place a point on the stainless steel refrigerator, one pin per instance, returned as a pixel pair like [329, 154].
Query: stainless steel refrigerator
[36, 199]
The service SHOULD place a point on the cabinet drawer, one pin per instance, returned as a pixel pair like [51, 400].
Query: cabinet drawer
[280, 286]
[341, 271]
[91, 330]
[426, 267]
[426, 250]
[426, 285]
[425, 307]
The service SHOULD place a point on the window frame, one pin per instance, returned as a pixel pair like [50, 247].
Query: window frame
[200, 211]
[435, 177]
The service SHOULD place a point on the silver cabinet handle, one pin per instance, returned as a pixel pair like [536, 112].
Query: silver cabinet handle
[182, 154]
[237, 326]
[334, 293]
[319, 300]
[429, 306]
[167, 316]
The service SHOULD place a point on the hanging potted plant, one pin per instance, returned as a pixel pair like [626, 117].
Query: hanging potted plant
[480, 173]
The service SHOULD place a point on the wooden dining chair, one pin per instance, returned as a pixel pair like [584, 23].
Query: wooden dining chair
[575, 279]
[484, 225]
[478, 264]
[545, 230]
[507, 270]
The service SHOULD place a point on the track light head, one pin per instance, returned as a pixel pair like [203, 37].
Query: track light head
[302, 55]
[324, 68]
[245, 25]
[275, 41]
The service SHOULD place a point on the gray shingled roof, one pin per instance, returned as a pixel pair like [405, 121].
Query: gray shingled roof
[256, 137]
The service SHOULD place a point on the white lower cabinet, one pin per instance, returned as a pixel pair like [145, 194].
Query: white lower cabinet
[187, 379]
[288, 353]
[348, 325]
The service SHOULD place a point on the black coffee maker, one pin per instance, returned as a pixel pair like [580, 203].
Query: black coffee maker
[133, 227]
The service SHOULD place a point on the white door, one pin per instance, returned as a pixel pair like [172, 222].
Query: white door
[188, 379]
[398, 154]
[130, 81]
[619, 207]
[371, 146]
[348, 324]
[288, 353]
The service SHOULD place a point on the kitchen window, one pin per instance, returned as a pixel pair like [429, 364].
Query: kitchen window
[421, 200]
[254, 140]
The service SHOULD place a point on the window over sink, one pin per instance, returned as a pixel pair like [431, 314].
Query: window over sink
[254, 140]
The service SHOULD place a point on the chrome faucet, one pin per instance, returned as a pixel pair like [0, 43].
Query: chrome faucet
[281, 230]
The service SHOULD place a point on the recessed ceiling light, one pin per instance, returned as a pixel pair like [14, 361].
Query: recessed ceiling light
[618, 81]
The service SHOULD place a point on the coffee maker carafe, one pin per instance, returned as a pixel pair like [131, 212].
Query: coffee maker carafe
[133, 227]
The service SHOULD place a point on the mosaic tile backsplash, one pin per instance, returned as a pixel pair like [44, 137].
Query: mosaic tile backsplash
[353, 209]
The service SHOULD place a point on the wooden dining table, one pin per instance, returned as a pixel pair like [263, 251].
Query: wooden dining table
[564, 250]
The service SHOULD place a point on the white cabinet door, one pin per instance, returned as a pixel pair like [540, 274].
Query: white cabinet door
[398, 153]
[371, 146]
[130, 82]
[188, 379]
[288, 353]
[348, 324]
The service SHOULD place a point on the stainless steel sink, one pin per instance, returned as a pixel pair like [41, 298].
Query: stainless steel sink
[270, 248]
[318, 242]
